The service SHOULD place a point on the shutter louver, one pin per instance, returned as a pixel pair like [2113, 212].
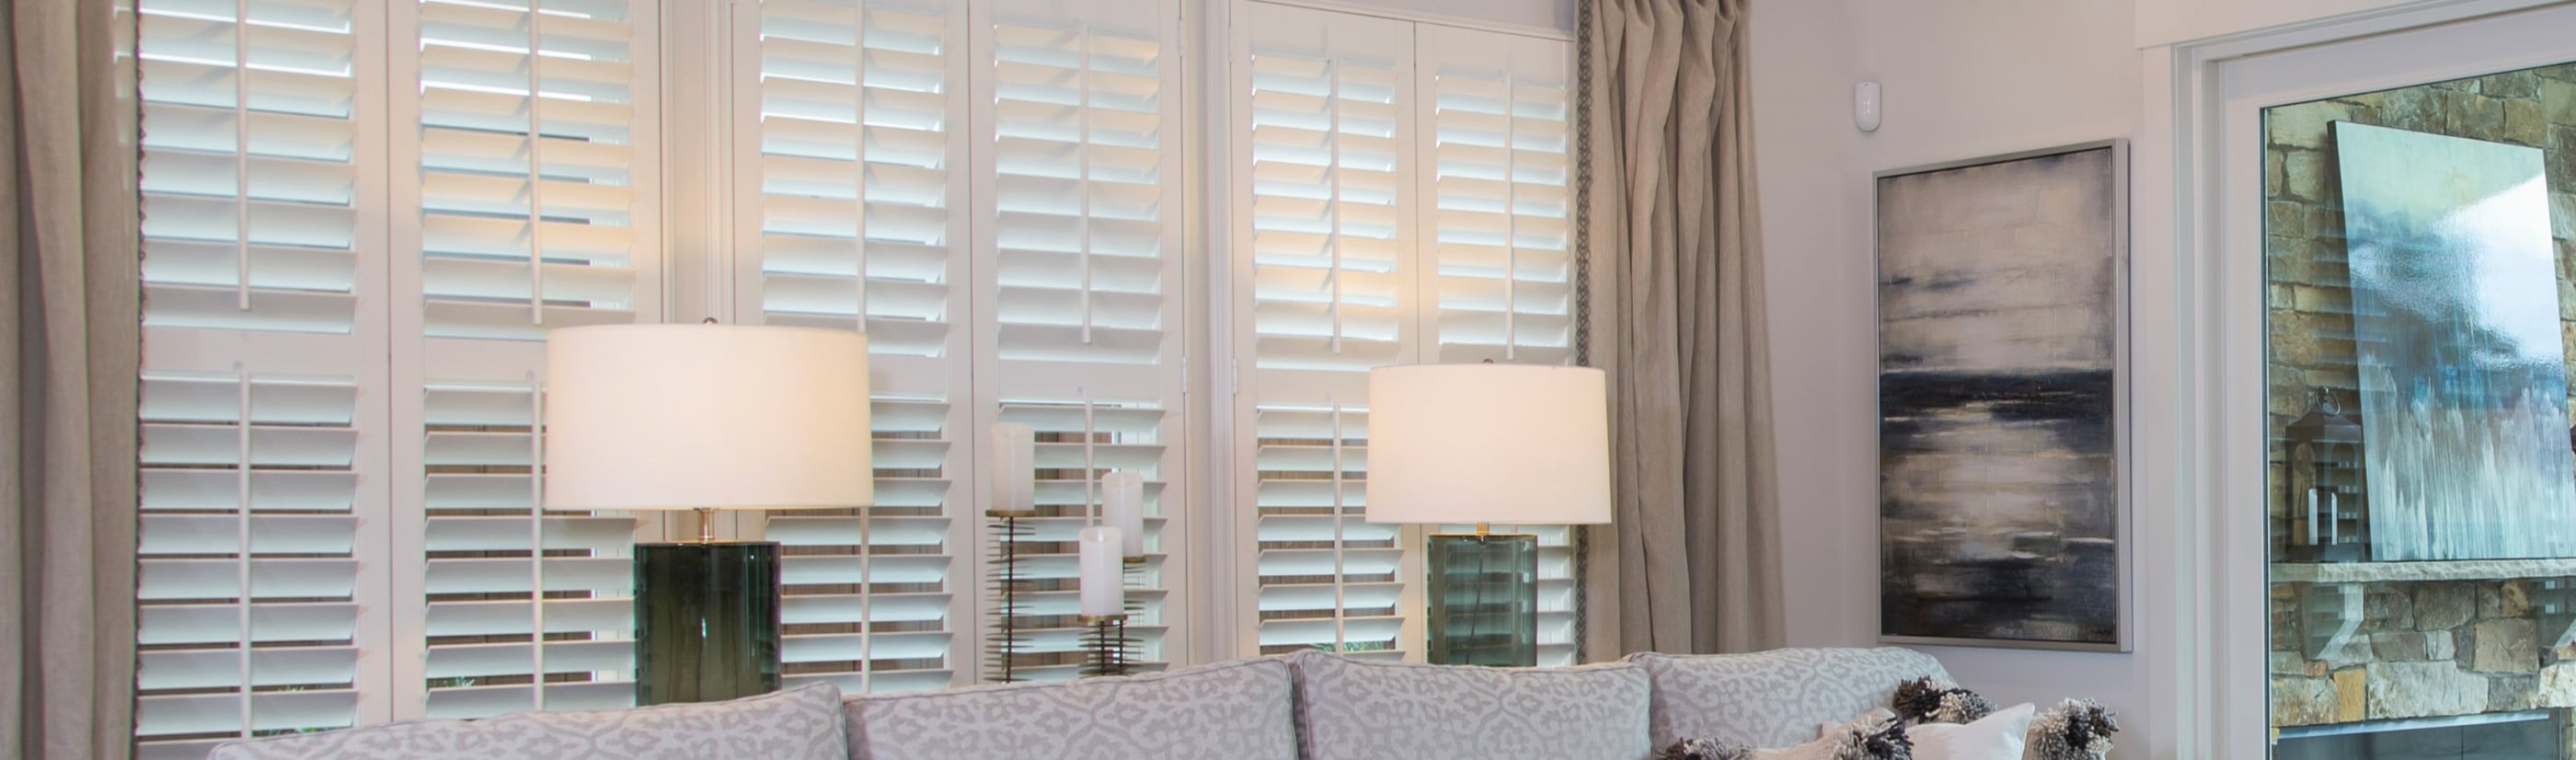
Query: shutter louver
[1327, 236]
[536, 197]
[1496, 132]
[855, 190]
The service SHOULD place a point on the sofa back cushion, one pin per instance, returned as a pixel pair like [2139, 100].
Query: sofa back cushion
[1775, 698]
[1351, 709]
[802, 723]
[1234, 710]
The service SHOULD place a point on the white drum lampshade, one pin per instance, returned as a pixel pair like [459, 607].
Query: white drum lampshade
[1488, 443]
[707, 417]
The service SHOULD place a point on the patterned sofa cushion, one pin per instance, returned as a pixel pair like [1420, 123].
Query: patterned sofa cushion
[797, 724]
[1233, 710]
[1351, 709]
[1775, 698]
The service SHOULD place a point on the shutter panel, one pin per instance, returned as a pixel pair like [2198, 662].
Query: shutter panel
[535, 194]
[1085, 127]
[530, 165]
[1328, 579]
[1495, 133]
[250, 183]
[1329, 217]
[263, 323]
[1497, 136]
[249, 622]
[1408, 194]
[853, 201]
[1079, 265]
[1077, 443]
[871, 595]
[479, 500]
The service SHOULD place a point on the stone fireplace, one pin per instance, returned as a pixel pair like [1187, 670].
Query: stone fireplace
[2412, 646]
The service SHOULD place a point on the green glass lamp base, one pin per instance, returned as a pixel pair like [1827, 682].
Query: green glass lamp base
[706, 621]
[1484, 599]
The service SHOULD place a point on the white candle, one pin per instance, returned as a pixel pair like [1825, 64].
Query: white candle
[2312, 516]
[1122, 497]
[1104, 581]
[2334, 517]
[1014, 467]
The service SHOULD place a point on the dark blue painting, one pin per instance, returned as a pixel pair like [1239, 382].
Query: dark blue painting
[2456, 322]
[1999, 342]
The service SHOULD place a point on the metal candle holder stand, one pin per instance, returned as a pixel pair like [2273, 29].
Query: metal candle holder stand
[1005, 646]
[1107, 649]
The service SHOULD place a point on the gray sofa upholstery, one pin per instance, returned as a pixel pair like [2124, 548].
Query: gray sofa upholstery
[1352, 709]
[1775, 698]
[1307, 706]
[1231, 710]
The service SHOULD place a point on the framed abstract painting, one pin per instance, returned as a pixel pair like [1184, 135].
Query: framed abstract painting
[2002, 295]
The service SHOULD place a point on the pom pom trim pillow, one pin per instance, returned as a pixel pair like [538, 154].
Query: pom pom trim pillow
[1878, 736]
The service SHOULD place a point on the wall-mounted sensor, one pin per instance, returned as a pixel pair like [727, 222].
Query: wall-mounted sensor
[1865, 106]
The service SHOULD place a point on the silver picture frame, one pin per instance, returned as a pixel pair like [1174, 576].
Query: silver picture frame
[2114, 313]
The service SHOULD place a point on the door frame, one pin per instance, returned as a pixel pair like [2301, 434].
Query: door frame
[2198, 319]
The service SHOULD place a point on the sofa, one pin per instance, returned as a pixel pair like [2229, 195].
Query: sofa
[1306, 706]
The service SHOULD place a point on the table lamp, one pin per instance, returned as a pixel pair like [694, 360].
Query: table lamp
[706, 417]
[1482, 444]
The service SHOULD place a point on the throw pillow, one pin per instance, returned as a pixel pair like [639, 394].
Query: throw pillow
[1994, 737]
[2076, 729]
[1877, 736]
[1924, 700]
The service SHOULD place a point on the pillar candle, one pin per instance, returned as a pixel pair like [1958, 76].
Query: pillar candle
[1014, 467]
[2312, 516]
[1104, 580]
[1122, 497]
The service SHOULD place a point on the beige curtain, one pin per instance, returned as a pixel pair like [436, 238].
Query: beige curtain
[1672, 230]
[69, 300]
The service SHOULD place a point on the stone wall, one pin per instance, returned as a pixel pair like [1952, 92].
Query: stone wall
[2419, 648]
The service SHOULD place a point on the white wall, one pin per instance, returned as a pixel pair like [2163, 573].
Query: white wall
[2165, 22]
[1960, 79]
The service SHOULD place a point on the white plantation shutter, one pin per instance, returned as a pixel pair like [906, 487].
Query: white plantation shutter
[259, 611]
[251, 175]
[265, 639]
[1408, 196]
[1078, 274]
[1325, 270]
[853, 200]
[1077, 443]
[528, 204]
[1496, 131]
[873, 596]
[528, 163]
